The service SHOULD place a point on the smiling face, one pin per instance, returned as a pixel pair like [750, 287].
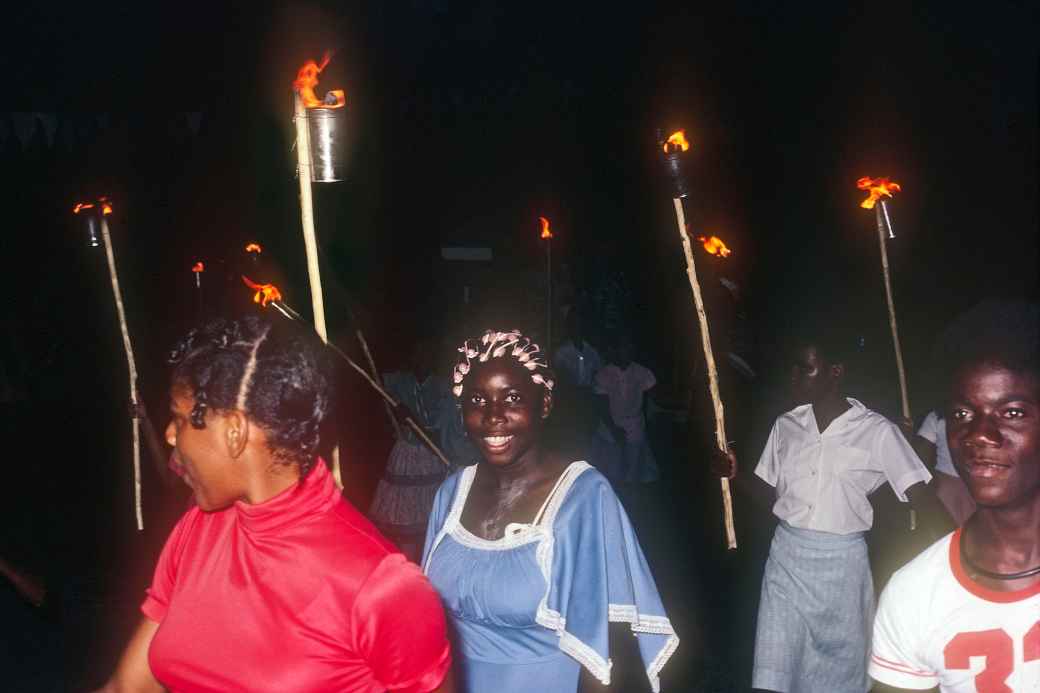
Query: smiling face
[993, 429]
[503, 411]
[208, 468]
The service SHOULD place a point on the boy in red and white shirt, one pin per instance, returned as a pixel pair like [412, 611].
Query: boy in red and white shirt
[965, 614]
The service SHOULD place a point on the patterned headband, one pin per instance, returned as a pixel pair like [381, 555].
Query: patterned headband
[495, 345]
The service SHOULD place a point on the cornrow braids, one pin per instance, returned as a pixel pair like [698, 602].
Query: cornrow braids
[276, 373]
[493, 345]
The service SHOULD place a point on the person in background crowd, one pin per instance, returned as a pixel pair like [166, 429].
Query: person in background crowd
[930, 445]
[576, 361]
[965, 614]
[273, 581]
[401, 507]
[621, 445]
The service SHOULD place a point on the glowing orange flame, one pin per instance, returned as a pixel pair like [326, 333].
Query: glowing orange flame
[878, 188]
[265, 293]
[714, 245]
[677, 141]
[254, 248]
[198, 267]
[106, 206]
[307, 79]
[546, 231]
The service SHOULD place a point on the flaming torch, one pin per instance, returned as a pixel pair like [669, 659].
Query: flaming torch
[197, 269]
[97, 215]
[269, 295]
[880, 191]
[320, 117]
[713, 245]
[547, 236]
[674, 148]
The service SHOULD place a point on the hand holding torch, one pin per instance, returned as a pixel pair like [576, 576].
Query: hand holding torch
[674, 148]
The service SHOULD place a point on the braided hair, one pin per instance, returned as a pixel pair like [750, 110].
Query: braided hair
[275, 373]
[494, 344]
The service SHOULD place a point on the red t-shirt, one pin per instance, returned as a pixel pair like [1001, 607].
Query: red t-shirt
[300, 593]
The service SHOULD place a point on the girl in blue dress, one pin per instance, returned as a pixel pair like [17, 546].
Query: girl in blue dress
[531, 552]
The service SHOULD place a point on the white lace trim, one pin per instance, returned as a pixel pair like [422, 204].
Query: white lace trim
[550, 618]
[643, 623]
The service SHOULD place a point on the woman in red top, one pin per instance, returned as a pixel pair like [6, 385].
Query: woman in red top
[273, 582]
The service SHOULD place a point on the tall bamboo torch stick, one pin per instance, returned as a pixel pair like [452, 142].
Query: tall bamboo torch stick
[881, 189]
[268, 294]
[673, 150]
[303, 87]
[547, 236]
[104, 209]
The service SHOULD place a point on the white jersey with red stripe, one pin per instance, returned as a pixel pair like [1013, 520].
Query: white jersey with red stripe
[935, 626]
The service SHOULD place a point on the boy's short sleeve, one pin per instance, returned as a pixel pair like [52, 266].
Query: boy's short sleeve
[929, 429]
[768, 468]
[895, 658]
[900, 464]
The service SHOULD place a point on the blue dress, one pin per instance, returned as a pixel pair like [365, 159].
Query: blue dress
[532, 608]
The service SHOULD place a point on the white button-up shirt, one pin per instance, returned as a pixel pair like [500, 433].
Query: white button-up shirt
[822, 480]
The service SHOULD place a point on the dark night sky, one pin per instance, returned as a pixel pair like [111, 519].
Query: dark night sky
[470, 119]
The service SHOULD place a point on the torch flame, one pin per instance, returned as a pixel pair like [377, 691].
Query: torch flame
[677, 140]
[714, 245]
[254, 248]
[307, 79]
[265, 293]
[546, 231]
[106, 206]
[878, 188]
[198, 267]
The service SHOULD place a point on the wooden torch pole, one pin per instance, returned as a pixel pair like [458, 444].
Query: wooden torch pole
[117, 294]
[880, 212]
[713, 375]
[303, 169]
[883, 223]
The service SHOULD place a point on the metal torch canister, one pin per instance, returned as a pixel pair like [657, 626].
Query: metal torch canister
[328, 135]
[673, 161]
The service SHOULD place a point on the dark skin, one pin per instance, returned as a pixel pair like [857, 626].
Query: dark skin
[815, 380]
[504, 412]
[993, 429]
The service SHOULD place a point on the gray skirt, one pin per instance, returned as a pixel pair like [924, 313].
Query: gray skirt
[816, 614]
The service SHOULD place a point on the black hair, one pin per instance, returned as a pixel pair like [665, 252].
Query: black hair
[835, 341]
[998, 331]
[277, 373]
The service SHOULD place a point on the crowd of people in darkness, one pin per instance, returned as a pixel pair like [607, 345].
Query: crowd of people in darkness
[506, 556]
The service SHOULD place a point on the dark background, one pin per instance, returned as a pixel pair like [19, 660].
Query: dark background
[468, 120]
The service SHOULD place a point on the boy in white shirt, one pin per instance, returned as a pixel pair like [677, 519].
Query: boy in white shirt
[824, 457]
[965, 614]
